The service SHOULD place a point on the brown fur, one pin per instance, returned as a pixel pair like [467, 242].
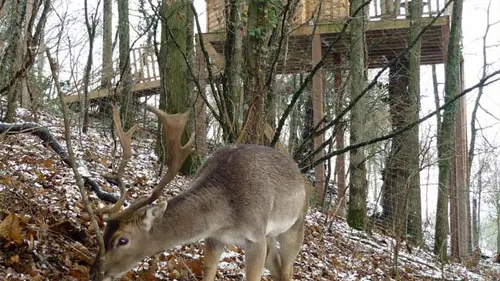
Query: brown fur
[248, 195]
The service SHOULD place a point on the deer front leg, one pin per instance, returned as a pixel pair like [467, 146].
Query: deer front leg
[255, 258]
[213, 250]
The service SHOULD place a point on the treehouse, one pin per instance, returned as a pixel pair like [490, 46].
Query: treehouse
[387, 30]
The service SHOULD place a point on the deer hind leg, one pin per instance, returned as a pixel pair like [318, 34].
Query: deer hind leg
[290, 243]
[255, 257]
[273, 259]
[213, 250]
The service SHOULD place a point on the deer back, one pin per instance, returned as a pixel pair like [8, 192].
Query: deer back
[251, 186]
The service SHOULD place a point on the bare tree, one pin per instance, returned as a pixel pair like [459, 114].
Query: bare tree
[233, 86]
[107, 46]
[174, 60]
[356, 213]
[91, 25]
[414, 214]
[446, 143]
[476, 219]
[125, 90]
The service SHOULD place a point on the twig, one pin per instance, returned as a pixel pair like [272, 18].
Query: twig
[483, 82]
[83, 192]
[44, 261]
[374, 80]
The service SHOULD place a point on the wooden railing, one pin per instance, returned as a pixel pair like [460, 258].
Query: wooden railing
[387, 9]
[331, 11]
[144, 69]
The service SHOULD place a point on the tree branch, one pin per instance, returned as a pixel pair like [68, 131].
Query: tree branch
[483, 82]
[49, 139]
[372, 83]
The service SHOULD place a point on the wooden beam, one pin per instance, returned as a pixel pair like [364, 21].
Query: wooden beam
[384, 24]
[150, 85]
[217, 58]
[318, 111]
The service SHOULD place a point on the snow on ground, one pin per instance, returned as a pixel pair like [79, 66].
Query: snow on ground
[44, 234]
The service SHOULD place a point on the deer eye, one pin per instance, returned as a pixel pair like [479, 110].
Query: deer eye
[122, 241]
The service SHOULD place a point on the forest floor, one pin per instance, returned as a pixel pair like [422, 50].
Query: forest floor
[45, 235]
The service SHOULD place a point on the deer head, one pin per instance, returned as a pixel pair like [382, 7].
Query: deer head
[127, 232]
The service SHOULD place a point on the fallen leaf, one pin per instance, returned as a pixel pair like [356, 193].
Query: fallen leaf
[47, 163]
[14, 259]
[196, 267]
[79, 272]
[10, 229]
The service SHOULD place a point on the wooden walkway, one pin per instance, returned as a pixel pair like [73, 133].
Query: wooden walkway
[386, 37]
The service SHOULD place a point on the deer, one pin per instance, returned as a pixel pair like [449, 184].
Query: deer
[248, 195]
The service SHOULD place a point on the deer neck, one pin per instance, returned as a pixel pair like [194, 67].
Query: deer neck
[189, 217]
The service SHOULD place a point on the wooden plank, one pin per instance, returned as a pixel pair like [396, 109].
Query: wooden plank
[104, 93]
[145, 62]
[136, 76]
[146, 86]
[154, 63]
[217, 58]
[385, 24]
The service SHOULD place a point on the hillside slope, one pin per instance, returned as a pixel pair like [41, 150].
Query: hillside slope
[44, 234]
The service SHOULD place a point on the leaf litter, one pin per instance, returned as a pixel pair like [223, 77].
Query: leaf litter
[45, 234]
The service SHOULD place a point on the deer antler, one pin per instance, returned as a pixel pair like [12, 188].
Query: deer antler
[173, 126]
[126, 144]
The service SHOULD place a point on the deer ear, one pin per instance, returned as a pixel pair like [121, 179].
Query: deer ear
[152, 213]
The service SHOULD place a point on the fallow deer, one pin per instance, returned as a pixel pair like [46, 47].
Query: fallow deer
[246, 195]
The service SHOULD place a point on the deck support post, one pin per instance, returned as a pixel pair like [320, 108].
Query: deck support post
[318, 111]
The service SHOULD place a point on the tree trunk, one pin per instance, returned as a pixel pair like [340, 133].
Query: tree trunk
[340, 144]
[446, 136]
[256, 56]
[174, 97]
[435, 88]
[25, 94]
[356, 213]
[91, 25]
[13, 56]
[308, 120]
[414, 218]
[200, 107]
[498, 225]
[475, 227]
[293, 140]
[107, 44]
[476, 218]
[125, 90]
[318, 112]
[233, 86]
[400, 172]
[462, 207]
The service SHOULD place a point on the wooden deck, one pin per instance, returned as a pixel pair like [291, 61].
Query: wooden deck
[386, 37]
[145, 77]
